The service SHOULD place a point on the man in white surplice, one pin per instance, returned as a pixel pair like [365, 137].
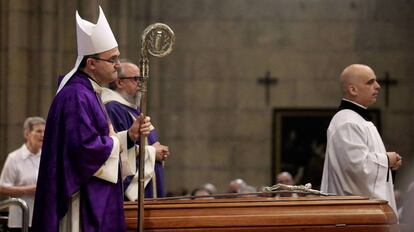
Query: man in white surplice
[356, 162]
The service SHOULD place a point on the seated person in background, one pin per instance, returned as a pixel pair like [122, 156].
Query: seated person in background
[285, 178]
[19, 175]
[201, 191]
[210, 187]
[236, 185]
[240, 186]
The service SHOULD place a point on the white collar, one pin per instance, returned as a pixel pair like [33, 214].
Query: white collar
[96, 87]
[108, 95]
[27, 153]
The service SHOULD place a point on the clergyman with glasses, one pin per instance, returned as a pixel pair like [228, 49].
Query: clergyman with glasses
[122, 104]
[79, 185]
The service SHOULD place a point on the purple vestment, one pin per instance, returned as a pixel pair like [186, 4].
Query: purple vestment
[120, 115]
[76, 144]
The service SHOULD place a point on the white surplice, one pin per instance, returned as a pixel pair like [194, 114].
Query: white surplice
[356, 162]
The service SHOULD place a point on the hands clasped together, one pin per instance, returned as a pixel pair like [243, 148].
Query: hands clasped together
[162, 152]
[143, 125]
[395, 160]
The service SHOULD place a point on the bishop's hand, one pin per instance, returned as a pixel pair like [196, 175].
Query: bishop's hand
[140, 125]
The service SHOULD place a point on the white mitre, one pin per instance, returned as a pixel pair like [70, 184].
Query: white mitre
[91, 39]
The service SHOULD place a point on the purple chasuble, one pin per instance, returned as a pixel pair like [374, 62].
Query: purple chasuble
[120, 115]
[76, 144]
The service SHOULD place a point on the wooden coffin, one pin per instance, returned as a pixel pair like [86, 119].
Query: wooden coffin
[319, 214]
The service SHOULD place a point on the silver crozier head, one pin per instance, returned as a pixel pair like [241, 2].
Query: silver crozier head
[158, 40]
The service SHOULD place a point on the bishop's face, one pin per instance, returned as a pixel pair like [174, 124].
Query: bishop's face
[106, 66]
[367, 88]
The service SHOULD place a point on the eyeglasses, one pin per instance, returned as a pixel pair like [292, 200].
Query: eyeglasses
[135, 78]
[112, 60]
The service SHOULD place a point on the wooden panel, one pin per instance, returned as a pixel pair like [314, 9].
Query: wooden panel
[320, 214]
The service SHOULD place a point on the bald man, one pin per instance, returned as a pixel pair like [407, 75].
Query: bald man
[285, 178]
[356, 162]
[236, 185]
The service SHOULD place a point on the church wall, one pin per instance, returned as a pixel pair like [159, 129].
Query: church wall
[204, 96]
[223, 47]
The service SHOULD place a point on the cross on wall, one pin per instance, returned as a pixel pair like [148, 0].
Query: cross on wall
[386, 83]
[267, 81]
